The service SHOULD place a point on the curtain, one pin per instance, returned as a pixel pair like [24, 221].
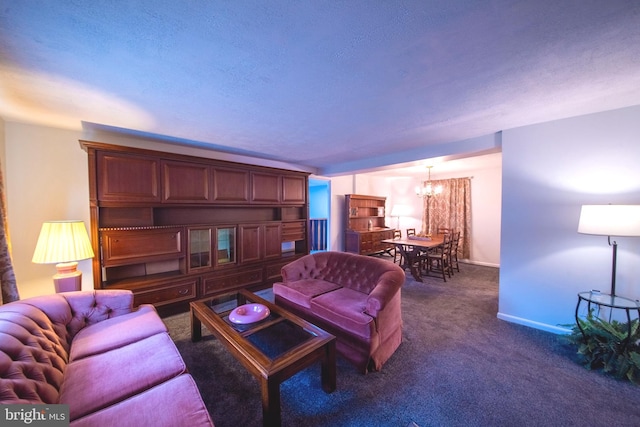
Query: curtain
[450, 209]
[7, 278]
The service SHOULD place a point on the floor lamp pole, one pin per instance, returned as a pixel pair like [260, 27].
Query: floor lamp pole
[613, 267]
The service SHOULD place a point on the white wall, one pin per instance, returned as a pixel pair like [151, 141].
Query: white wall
[339, 187]
[486, 217]
[549, 171]
[46, 178]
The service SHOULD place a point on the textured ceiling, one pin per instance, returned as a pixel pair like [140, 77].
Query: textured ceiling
[316, 83]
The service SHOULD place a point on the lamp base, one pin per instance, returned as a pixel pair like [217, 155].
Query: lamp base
[68, 278]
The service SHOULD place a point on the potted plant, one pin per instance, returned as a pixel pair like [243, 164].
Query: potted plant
[607, 346]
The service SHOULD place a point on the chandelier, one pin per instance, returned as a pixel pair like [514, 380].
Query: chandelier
[428, 189]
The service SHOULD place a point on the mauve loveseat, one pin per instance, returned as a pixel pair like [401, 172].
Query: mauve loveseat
[354, 297]
[112, 364]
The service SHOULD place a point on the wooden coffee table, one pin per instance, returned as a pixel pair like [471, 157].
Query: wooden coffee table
[273, 349]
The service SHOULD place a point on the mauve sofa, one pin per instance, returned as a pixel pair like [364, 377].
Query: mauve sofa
[354, 297]
[112, 364]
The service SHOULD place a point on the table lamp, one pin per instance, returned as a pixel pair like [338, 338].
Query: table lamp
[63, 243]
[610, 220]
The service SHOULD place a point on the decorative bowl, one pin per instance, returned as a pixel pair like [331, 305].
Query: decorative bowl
[249, 313]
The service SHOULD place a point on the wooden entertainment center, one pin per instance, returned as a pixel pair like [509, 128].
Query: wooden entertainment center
[175, 228]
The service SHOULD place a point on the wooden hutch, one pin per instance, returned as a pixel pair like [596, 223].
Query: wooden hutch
[175, 228]
[365, 225]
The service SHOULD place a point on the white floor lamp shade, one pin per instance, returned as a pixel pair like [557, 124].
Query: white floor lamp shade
[610, 220]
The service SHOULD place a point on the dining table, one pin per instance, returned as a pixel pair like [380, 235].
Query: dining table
[413, 249]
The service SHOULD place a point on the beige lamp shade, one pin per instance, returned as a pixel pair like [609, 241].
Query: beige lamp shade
[400, 210]
[610, 220]
[63, 243]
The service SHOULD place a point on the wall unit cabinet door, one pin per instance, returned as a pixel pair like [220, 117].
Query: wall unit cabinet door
[211, 247]
[120, 247]
[230, 186]
[272, 241]
[260, 241]
[294, 190]
[199, 248]
[226, 246]
[185, 182]
[127, 178]
[250, 243]
[265, 188]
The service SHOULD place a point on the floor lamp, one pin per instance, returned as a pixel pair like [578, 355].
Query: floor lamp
[610, 220]
[398, 211]
[63, 243]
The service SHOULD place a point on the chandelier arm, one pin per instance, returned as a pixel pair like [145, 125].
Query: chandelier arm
[428, 190]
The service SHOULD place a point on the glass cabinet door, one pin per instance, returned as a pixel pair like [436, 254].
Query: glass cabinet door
[225, 245]
[199, 248]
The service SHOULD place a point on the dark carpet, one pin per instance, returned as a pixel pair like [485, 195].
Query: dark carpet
[458, 365]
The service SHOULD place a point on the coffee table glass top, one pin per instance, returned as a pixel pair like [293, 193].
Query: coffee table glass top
[273, 336]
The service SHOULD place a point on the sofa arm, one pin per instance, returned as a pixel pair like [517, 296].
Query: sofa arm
[386, 288]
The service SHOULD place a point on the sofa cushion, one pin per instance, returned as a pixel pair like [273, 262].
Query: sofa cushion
[95, 382]
[116, 332]
[345, 308]
[176, 402]
[302, 291]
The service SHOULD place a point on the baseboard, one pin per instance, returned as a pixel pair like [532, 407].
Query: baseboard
[533, 324]
[485, 264]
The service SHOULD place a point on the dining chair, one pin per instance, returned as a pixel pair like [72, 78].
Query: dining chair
[397, 256]
[453, 258]
[411, 232]
[438, 259]
[444, 230]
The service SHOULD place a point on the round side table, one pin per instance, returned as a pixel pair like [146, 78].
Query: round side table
[614, 302]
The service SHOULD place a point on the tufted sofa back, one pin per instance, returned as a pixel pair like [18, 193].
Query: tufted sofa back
[36, 336]
[357, 272]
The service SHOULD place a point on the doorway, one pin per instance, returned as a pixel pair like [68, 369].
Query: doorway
[319, 213]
